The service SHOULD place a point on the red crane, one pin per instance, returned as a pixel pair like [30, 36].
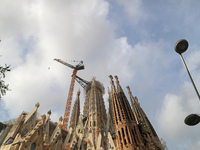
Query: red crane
[80, 66]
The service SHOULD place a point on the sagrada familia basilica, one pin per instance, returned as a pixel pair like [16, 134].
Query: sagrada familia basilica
[123, 127]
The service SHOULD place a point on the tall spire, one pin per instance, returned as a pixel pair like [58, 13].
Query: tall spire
[113, 89]
[127, 112]
[94, 109]
[145, 126]
[134, 105]
[119, 89]
[109, 101]
[126, 129]
[76, 111]
[110, 123]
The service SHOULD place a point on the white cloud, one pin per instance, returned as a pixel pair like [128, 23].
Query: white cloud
[192, 58]
[172, 114]
[175, 109]
[133, 9]
[66, 30]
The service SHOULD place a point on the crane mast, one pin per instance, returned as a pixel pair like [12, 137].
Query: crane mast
[71, 90]
[69, 101]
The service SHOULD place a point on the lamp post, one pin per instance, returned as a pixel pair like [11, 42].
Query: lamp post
[180, 47]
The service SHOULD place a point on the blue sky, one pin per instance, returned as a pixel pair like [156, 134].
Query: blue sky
[132, 39]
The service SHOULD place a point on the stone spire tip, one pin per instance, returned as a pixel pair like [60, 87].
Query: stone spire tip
[37, 104]
[111, 79]
[93, 78]
[116, 78]
[61, 119]
[78, 93]
[136, 98]
[129, 91]
[49, 112]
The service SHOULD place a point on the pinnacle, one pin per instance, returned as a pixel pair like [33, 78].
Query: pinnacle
[49, 112]
[129, 91]
[37, 104]
[78, 93]
[112, 84]
[61, 119]
[116, 78]
[119, 89]
[111, 79]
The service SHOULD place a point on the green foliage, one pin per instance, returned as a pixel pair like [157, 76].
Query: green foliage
[3, 86]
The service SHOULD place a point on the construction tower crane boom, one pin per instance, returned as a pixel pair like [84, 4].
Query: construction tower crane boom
[80, 66]
[82, 82]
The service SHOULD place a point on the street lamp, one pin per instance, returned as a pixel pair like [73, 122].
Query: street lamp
[180, 47]
[192, 119]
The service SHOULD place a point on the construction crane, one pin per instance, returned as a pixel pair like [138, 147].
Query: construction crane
[82, 82]
[80, 66]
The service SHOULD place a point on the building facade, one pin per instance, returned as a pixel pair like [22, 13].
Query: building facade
[121, 128]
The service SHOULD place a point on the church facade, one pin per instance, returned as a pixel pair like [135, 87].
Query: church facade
[123, 127]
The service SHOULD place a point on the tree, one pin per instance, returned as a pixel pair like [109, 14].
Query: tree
[3, 86]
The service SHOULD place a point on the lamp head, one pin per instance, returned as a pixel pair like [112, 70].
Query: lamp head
[181, 46]
[192, 119]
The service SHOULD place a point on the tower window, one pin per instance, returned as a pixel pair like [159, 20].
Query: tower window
[94, 123]
[124, 136]
[127, 134]
[33, 146]
[123, 132]
[94, 116]
[119, 135]
[104, 133]
[9, 141]
[25, 131]
[94, 140]
[1, 131]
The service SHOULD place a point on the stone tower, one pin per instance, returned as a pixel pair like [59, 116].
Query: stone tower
[126, 128]
[149, 134]
[94, 110]
[110, 125]
[76, 111]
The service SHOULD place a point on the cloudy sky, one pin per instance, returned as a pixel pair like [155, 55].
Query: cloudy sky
[133, 39]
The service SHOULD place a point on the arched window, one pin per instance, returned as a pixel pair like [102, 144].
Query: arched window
[25, 131]
[94, 140]
[9, 141]
[33, 146]
[94, 123]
